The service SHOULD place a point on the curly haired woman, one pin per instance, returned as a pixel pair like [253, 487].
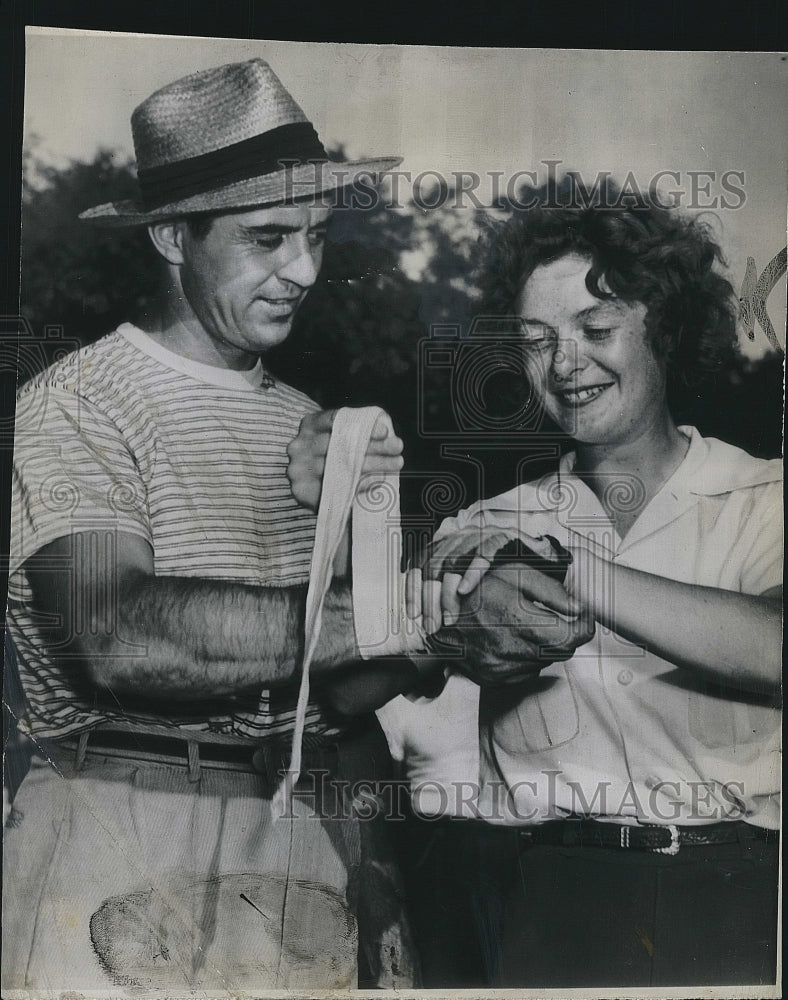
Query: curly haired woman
[634, 779]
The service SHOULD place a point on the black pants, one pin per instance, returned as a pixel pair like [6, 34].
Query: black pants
[456, 872]
[489, 911]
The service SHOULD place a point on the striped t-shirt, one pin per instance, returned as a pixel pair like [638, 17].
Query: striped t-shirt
[125, 436]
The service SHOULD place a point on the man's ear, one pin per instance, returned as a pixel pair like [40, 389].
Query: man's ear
[167, 237]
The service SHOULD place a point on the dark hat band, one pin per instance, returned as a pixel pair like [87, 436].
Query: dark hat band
[267, 153]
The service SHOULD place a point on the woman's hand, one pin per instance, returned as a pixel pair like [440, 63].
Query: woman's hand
[498, 622]
[455, 566]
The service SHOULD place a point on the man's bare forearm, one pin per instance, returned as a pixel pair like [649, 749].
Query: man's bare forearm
[178, 636]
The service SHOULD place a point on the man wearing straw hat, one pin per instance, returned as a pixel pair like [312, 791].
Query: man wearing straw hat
[157, 588]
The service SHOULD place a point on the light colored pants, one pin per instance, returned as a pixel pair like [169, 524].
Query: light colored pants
[127, 878]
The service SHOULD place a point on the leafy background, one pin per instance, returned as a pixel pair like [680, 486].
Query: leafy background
[360, 336]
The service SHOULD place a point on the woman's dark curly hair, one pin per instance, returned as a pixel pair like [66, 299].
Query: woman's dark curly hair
[644, 253]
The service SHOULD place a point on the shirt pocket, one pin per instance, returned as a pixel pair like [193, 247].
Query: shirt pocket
[718, 720]
[539, 715]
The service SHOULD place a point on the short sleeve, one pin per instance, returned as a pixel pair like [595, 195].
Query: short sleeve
[437, 739]
[762, 540]
[73, 471]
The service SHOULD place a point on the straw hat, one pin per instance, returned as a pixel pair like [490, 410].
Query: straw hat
[226, 138]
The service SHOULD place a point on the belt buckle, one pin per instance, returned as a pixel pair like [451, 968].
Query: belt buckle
[675, 844]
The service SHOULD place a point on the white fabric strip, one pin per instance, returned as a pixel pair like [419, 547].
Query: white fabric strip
[382, 626]
[381, 622]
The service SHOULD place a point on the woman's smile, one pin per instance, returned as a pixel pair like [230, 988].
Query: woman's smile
[593, 365]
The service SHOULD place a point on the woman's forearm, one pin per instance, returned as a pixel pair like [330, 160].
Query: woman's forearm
[733, 637]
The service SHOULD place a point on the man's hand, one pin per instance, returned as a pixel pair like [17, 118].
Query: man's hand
[505, 636]
[307, 453]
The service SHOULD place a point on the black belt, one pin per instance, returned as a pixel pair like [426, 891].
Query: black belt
[268, 758]
[660, 839]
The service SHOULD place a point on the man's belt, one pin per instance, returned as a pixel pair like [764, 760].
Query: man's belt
[268, 758]
[659, 839]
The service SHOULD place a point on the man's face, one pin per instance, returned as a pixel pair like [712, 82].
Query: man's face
[245, 279]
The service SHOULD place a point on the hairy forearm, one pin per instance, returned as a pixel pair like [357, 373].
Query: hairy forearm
[175, 636]
[733, 637]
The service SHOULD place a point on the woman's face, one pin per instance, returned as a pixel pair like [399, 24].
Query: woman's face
[589, 358]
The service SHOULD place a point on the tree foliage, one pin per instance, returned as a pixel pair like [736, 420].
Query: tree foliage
[393, 281]
[74, 275]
